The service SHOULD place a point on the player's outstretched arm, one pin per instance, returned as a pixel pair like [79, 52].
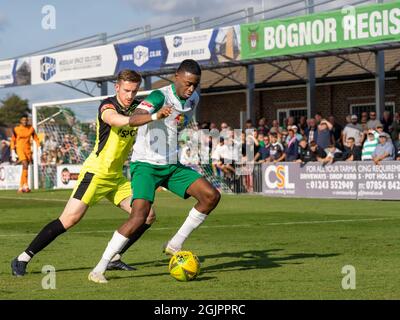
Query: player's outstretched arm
[114, 119]
[141, 117]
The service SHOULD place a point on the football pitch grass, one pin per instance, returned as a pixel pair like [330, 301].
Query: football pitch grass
[251, 247]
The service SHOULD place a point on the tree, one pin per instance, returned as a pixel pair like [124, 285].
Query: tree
[12, 109]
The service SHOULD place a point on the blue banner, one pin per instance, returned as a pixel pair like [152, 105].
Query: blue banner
[146, 55]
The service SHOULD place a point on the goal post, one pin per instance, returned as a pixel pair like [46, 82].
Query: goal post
[52, 122]
[68, 130]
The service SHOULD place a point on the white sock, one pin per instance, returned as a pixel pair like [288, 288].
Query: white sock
[24, 257]
[193, 221]
[117, 242]
[116, 257]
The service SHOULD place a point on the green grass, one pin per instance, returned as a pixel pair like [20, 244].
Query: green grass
[251, 247]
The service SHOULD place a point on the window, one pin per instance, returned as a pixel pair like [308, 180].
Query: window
[368, 107]
[285, 113]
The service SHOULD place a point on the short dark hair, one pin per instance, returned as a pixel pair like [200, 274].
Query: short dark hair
[351, 138]
[129, 75]
[190, 66]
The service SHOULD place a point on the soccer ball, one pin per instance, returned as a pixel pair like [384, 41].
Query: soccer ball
[184, 266]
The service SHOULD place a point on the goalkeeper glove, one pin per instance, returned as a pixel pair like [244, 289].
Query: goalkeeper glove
[13, 156]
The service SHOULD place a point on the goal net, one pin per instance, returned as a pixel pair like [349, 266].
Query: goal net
[67, 130]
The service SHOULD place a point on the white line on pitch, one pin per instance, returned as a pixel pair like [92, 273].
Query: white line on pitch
[227, 226]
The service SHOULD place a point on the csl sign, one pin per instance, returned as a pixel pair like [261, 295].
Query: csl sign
[277, 177]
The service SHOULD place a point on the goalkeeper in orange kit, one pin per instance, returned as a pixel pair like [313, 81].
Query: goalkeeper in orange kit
[21, 148]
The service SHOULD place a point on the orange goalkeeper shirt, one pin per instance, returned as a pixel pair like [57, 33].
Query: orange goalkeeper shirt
[21, 138]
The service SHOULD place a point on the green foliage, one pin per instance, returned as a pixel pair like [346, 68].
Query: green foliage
[12, 109]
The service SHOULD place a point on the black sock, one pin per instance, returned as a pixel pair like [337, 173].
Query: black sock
[45, 237]
[135, 236]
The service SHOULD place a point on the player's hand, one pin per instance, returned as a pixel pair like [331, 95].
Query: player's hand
[164, 112]
[14, 156]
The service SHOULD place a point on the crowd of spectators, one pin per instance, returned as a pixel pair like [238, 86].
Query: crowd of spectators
[316, 139]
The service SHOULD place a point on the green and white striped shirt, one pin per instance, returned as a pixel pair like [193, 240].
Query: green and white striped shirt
[369, 147]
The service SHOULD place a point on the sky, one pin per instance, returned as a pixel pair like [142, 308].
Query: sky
[21, 29]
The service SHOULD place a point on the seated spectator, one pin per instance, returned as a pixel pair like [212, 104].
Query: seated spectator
[5, 152]
[384, 151]
[387, 121]
[305, 154]
[397, 147]
[263, 154]
[276, 128]
[311, 131]
[302, 125]
[396, 127]
[332, 154]
[351, 151]
[317, 153]
[262, 126]
[248, 125]
[324, 137]
[277, 153]
[364, 121]
[369, 145]
[291, 151]
[353, 130]
[298, 135]
[373, 122]
[336, 129]
[220, 158]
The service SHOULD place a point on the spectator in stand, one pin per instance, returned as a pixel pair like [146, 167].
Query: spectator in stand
[364, 121]
[50, 143]
[396, 127]
[283, 138]
[277, 153]
[275, 127]
[254, 139]
[353, 130]
[369, 145]
[311, 131]
[224, 126]
[296, 133]
[263, 154]
[318, 118]
[290, 122]
[387, 121]
[302, 125]
[384, 151]
[305, 154]
[397, 147]
[324, 136]
[262, 126]
[5, 152]
[336, 130]
[332, 154]
[292, 148]
[379, 129]
[317, 153]
[373, 122]
[248, 125]
[351, 151]
[220, 158]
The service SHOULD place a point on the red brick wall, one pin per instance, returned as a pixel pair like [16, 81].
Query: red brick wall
[331, 99]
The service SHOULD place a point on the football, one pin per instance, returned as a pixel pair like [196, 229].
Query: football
[184, 266]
